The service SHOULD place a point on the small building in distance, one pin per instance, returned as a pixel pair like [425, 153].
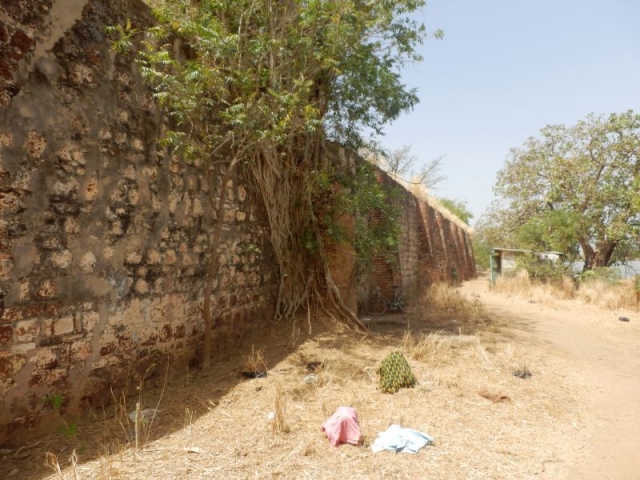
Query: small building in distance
[503, 261]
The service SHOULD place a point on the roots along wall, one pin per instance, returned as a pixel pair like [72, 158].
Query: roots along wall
[103, 236]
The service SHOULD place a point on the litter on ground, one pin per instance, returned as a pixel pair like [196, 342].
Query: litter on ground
[524, 373]
[401, 439]
[395, 373]
[342, 427]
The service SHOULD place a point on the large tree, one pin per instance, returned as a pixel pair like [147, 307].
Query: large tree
[260, 85]
[575, 189]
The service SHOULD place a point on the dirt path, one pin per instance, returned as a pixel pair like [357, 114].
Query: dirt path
[602, 359]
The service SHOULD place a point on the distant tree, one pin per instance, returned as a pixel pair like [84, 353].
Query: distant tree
[551, 230]
[429, 175]
[481, 252]
[573, 188]
[487, 234]
[458, 207]
[402, 163]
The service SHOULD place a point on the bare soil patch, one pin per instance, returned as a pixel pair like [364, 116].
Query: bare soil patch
[602, 354]
[487, 422]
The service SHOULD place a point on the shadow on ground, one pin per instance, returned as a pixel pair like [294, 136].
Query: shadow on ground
[182, 401]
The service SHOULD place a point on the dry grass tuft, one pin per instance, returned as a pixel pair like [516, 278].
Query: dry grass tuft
[340, 370]
[515, 285]
[445, 299]
[51, 461]
[255, 361]
[604, 293]
[279, 423]
[432, 349]
[621, 294]
[567, 288]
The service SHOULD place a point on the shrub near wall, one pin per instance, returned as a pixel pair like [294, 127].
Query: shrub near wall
[103, 236]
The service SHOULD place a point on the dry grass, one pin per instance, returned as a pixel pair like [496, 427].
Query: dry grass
[614, 296]
[255, 361]
[432, 349]
[225, 427]
[518, 284]
[442, 300]
[606, 294]
[279, 423]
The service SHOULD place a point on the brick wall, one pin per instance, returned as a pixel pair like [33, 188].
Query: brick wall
[433, 246]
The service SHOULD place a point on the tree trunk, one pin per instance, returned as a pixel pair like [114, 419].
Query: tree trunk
[589, 255]
[212, 271]
[604, 253]
[598, 257]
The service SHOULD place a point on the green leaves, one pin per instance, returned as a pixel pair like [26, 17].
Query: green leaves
[123, 35]
[263, 84]
[575, 187]
[459, 208]
[273, 70]
[550, 230]
[363, 197]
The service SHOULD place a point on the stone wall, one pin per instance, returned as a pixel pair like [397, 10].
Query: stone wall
[103, 236]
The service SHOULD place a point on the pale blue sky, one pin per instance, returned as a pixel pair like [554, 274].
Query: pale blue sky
[507, 68]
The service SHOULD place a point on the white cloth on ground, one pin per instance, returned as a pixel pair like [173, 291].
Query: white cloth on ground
[401, 439]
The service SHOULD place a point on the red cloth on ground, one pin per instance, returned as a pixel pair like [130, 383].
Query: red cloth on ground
[342, 427]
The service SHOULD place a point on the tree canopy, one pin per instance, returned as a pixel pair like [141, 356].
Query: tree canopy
[574, 190]
[459, 208]
[262, 84]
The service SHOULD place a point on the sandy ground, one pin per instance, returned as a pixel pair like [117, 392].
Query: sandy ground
[577, 417]
[603, 355]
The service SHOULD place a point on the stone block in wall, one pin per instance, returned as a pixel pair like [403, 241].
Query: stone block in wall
[26, 330]
[10, 364]
[64, 325]
[80, 351]
[6, 334]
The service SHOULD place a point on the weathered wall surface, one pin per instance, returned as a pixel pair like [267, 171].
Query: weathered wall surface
[103, 236]
[432, 246]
